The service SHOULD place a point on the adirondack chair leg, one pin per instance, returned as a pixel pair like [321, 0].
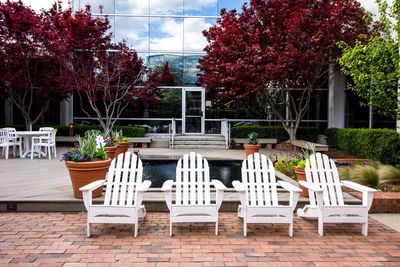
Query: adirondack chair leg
[216, 227]
[320, 226]
[291, 229]
[88, 230]
[170, 227]
[136, 227]
[244, 227]
[364, 227]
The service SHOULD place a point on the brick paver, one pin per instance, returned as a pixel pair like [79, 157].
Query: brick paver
[58, 239]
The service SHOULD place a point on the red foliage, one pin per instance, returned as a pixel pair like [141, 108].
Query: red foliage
[277, 44]
[29, 66]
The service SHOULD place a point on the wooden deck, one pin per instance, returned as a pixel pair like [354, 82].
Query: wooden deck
[44, 185]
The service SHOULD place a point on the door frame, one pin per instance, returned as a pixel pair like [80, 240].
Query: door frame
[203, 108]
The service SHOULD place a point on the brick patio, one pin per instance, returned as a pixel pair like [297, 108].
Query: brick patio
[58, 239]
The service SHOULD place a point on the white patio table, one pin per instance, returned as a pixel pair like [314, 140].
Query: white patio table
[27, 137]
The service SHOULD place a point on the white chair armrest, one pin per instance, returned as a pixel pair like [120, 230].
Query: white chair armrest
[167, 186]
[144, 186]
[92, 186]
[358, 187]
[218, 185]
[239, 187]
[310, 186]
[289, 187]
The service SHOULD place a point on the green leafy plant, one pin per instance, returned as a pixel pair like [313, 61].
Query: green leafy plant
[252, 138]
[377, 144]
[90, 148]
[119, 137]
[285, 166]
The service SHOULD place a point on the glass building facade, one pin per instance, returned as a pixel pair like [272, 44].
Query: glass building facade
[161, 30]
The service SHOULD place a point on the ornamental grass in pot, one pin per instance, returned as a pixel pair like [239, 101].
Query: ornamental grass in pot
[253, 144]
[122, 143]
[87, 163]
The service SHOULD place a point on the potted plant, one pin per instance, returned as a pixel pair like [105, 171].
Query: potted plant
[253, 144]
[109, 145]
[298, 167]
[87, 163]
[121, 141]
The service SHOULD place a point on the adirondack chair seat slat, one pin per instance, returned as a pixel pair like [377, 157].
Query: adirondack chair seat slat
[123, 194]
[326, 196]
[258, 193]
[189, 197]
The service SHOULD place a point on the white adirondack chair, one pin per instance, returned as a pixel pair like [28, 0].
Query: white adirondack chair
[326, 197]
[123, 195]
[259, 194]
[192, 202]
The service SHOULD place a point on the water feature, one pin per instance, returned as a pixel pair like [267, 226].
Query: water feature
[158, 171]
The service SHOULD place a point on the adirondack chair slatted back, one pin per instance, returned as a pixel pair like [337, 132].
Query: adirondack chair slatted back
[124, 175]
[192, 180]
[3, 136]
[322, 171]
[258, 176]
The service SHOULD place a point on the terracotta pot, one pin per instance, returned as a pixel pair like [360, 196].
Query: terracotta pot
[122, 147]
[110, 150]
[301, 176]
[251, 149]
[83, 173]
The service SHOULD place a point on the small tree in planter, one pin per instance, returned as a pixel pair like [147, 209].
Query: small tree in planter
[87, 163]
[253, 144]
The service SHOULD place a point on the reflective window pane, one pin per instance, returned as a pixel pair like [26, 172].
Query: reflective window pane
[166, 34]
[201, 7]
[134, 30]
[164, 7]
[175, 64]
[194, 39]
[190, 71]
[107, 6]
[132, 7]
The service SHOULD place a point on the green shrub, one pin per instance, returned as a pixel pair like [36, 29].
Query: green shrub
[285, 166]
[376, 144]
[304, 133]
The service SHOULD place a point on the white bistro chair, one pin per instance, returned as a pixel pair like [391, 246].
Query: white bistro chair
[259, 194]
[47, 140]
[192, 199]
[9, 138]
[326, 196]
[124, 193]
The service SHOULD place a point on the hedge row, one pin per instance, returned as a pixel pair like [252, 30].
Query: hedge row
[129, 131]
[377, 144]
[303, 133]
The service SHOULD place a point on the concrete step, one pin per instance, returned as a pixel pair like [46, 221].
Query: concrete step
[200, 137]
[200, 142]
[199, 146]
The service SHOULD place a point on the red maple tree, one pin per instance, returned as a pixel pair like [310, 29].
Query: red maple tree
[107, 77]
[274, 53]
[29, 67]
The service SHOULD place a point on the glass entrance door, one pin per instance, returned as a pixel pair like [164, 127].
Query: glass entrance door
[193, 110]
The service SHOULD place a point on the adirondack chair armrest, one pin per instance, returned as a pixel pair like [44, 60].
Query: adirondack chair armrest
[144, 186]
[239, 187]
[358, 187]
[310, 186]
[92, 186]
[167, 185]
[289, 187]
[218, 185]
